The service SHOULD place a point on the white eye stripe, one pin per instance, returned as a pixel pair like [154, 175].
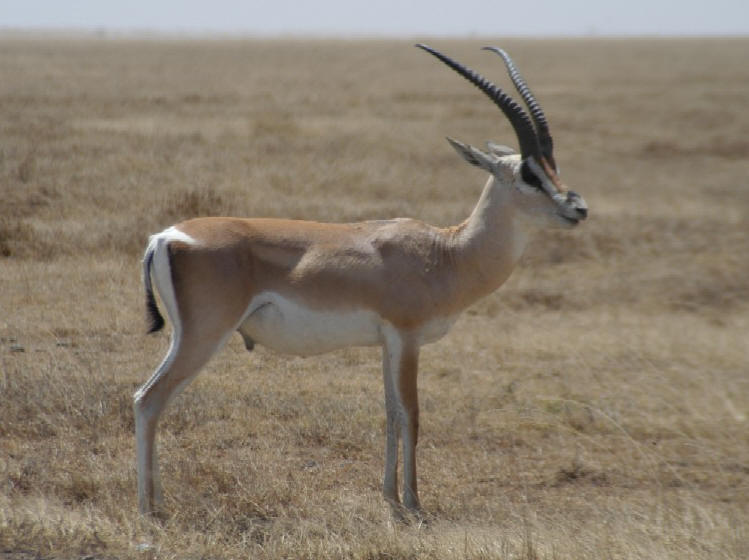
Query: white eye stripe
[530, 178]
[546, 182]
[535, 175]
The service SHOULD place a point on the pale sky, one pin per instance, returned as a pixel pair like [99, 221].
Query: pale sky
[406, 18]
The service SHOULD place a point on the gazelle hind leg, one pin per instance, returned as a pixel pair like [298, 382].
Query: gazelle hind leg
[194, 340]
[146, 409]
[188, 353]
[146, 417]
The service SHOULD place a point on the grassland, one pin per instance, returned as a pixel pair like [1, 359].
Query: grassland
[594, 407]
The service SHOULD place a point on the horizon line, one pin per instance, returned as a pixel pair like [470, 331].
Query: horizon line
[105, 32]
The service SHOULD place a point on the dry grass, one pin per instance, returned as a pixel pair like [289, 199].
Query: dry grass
[595, 407]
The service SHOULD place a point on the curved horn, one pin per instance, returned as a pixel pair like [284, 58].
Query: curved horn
[519, 119]
[539, 119]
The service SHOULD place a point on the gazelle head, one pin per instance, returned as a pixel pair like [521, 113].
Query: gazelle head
[537, 192]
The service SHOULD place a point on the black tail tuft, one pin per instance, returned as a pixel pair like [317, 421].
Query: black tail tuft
[156, 321]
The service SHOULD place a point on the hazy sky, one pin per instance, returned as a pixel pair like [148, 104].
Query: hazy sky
[387, 17]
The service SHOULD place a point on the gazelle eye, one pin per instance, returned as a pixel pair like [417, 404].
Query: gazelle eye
[530, 177]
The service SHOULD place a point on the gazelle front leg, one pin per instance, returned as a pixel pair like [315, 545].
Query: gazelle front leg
[392, 427]
[400, 367]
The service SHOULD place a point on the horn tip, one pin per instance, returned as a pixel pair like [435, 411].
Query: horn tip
[500, 51]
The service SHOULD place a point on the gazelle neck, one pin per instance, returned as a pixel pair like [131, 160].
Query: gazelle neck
[488, 245]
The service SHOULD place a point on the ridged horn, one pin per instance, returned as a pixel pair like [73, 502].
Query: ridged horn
[537, 114]
[517, 116]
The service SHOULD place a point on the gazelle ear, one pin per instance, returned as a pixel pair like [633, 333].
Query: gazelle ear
[500, 149]
[474, 156]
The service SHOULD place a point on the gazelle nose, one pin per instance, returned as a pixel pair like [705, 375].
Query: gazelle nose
[583, 211]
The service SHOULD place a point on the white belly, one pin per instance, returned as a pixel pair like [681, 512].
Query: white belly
[290, 327]
[287, 326]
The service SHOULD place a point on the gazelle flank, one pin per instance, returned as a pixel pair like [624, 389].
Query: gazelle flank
[304, 288]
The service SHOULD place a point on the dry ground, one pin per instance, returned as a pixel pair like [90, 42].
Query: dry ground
[595, 407]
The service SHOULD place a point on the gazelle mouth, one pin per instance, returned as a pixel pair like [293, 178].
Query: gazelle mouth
[570, 221]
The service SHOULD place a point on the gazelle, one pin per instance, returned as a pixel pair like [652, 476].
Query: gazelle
[306, 288]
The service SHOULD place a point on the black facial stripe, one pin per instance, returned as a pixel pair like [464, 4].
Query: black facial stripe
[530, 177]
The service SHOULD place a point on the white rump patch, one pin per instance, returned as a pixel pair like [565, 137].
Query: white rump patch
[162, 280]
[174, 234]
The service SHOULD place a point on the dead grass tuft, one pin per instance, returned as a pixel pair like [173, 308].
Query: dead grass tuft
[27, 167]
[734, 149]
[13, 236]
[194, 203]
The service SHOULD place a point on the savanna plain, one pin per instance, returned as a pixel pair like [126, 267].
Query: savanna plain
[596, 406]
